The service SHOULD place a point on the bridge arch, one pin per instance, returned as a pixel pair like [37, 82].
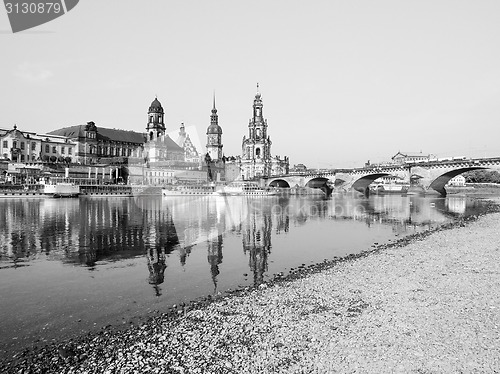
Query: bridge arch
[279, 183]
[361, 184]
[439, 183]
[321, 183]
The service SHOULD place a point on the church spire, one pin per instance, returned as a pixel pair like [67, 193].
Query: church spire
[214, 135]
[257, 106]
[214, 118]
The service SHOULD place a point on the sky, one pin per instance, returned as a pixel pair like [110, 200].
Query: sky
[342, 82]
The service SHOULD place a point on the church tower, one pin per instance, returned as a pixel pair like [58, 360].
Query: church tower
[155, 127]
[214, 136]
[256, 149]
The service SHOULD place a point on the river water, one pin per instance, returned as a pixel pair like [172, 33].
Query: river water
[69, 266]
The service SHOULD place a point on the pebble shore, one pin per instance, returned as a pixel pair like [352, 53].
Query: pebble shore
[425, 304]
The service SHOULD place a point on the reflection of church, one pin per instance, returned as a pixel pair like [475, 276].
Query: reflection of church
[214, 256]
[156, 265]
[257, 243]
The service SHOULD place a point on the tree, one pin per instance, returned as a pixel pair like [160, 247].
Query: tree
[482, 176]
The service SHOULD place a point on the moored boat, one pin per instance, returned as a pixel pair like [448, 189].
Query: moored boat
[188, 190]
[389, 188]
[61, 189]
[243, 188]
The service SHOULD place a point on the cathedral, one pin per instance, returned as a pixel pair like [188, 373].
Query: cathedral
[151, 157]
[256, 160]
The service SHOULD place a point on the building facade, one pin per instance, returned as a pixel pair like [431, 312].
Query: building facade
[184, 141]
[29, 147]
[402, 157]
[256, 159]
[102, 145]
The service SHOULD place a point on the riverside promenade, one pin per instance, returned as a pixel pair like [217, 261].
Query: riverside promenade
[426, 304]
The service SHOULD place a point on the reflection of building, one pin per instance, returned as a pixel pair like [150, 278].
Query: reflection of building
[214, 256]
[156, 265]
[456, 204]
[257, 243]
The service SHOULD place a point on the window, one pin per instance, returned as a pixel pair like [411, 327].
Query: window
[5, 144]
[14, 144]
[22, 145]
[47, 148]
[54, 150]
[33, 146]
[70, 151]
[62, 150]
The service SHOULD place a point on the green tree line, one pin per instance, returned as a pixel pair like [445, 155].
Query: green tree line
[482, 176]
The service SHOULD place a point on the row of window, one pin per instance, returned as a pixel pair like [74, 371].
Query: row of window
[107, 151]
[159, 174]
[22, 146]
[112, 151]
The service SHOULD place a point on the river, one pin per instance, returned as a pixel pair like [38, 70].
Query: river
[69, 266]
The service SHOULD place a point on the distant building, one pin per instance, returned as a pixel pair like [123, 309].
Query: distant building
[29, 147]
[298, 169]
[102, 145]
[191, 154]
[151, 157]
[402, 157]
[256, 160]
[457, 181]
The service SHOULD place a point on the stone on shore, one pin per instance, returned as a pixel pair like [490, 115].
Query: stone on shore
[431, 306]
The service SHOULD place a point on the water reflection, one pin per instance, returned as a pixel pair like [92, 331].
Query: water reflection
[104, 259]
[90, 232]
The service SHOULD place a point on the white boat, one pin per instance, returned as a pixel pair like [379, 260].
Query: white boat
[61, 189]
[241, 188]
[188, 190]
[389, 188]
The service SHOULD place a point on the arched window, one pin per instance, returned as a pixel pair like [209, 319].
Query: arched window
[257, 152]
[151, 135]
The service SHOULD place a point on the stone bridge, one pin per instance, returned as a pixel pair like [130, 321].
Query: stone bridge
[424, 177]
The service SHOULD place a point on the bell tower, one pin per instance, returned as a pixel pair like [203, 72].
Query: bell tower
[155, 127]
[256, 149]
[214, 136]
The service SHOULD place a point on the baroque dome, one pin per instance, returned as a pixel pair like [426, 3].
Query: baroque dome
[214, 129]
[156, 106]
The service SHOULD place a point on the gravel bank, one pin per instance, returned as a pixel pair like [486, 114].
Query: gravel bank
[430, 304]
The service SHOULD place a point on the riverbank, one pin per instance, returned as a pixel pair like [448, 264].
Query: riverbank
[424, 304]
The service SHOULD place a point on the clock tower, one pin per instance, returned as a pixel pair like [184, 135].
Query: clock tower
[256, 149]
[214, 136]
